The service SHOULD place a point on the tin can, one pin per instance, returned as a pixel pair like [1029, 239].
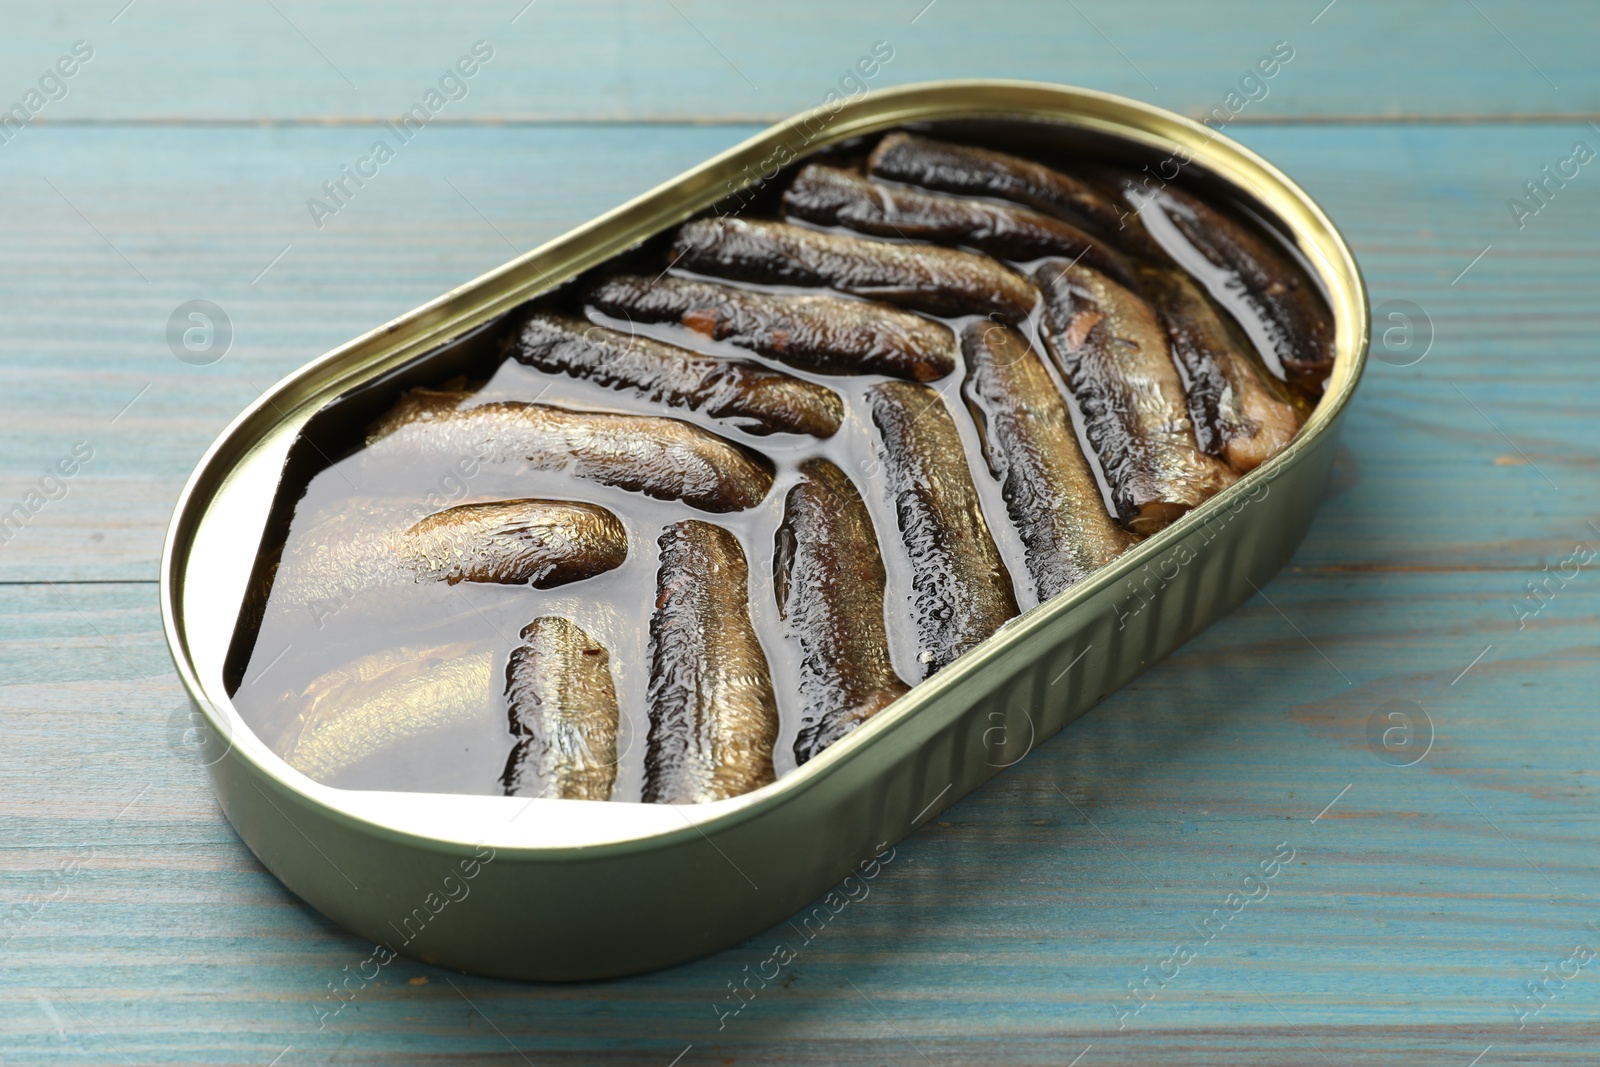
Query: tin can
[563, 890]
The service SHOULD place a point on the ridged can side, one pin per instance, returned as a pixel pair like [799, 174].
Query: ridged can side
[635, 905]
[612, 911]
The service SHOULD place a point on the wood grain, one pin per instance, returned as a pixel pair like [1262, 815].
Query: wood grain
[202, 212]
[698, 60]
[1403, 928]
[1421, 900]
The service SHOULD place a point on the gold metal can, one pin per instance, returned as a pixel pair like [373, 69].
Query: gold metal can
[560, 889]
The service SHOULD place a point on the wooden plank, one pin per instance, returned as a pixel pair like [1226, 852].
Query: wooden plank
[1418, 903]
[565, 60]
[202, 213]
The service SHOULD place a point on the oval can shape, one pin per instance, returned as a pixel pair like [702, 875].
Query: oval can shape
[533, 886]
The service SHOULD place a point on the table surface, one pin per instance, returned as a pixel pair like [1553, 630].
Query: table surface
[1422, 900]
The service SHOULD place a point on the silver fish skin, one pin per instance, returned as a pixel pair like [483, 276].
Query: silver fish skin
[813, 331]
[961, 590]
[830, 581]
[1112, 351]
[543, 543]
[956, 168]
[348, 715]
[923, 277]
[1261, 285]
[1238, 411]
[668, 459]
[713, 713]
[749, 395]
[1032, 449]
[562, 703]
[832, 196]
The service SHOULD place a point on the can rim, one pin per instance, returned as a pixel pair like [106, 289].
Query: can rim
[409, 335]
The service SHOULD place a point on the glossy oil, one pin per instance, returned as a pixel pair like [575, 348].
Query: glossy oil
[279, 650]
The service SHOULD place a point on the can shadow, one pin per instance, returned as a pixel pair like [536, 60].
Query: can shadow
[1019, 861]
[1080, 842]
[1076, 850]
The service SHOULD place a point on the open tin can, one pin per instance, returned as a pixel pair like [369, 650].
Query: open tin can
[561, 889]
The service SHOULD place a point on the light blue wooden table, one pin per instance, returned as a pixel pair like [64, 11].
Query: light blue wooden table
[1421, 901]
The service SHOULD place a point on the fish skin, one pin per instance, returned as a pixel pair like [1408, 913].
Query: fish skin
[1033, 451]
[562, 705]
[747, 394]
[1237, 413]
[829, 579]
[940, 281]
[1112, 351]
[961, 589]
[668, 459]
[713, 714]
[543, 543]
[831, 196]
[380, 700]
[816, 332]
[1297, 323]
[954, 168]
